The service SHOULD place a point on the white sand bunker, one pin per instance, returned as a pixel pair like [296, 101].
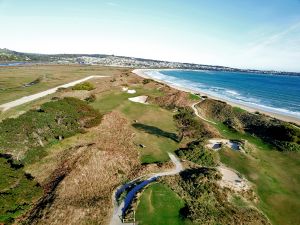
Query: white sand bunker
[125, 89]
[217, 143]
[131, 91]
[139, 99]
[232, 180]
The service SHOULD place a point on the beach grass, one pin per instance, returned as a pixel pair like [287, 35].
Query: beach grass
[158, 204]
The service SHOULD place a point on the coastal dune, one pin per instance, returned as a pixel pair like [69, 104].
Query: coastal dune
[145, 74]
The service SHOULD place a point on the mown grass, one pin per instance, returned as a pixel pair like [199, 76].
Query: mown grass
[275, 174]
[194, 97]
[159, 205]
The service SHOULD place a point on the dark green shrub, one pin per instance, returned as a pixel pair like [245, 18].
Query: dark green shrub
[146, 81]
[189, 125]
[18, 190]
[91, 98]
[198, 154]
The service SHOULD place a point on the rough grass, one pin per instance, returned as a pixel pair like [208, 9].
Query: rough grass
[158, 204]
[82, 197]
[13, 78]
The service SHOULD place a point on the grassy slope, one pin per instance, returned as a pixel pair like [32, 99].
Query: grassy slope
[156, 146]
[161, 204]
[275, 174]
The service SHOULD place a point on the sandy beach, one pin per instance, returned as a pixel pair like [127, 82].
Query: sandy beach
[142, 73]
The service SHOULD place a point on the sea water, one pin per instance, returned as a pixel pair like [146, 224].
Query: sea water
[269, 92]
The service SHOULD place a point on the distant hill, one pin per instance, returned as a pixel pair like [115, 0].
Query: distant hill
[8, 56]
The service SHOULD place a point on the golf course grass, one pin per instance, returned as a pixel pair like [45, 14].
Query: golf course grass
[275, 175]
[161, 204]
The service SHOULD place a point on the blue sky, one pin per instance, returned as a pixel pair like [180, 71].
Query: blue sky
[261, 34]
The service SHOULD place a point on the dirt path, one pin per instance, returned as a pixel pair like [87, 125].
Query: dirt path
[29, 98]
[197, 113]
[121, 208]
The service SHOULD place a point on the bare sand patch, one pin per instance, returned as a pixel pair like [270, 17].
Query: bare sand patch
[217, 143]
[232, 179]
[139, 99]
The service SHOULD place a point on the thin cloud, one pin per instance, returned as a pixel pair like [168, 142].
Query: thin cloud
[272, 39]
[113, 4]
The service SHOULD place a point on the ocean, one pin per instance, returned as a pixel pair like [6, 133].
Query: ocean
[268, 92]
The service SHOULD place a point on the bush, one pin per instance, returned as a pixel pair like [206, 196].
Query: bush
[18, 190]
[91, 98]
[54, 121]
[189, 125]
[198, 154]
[84, 86]
[146, 81]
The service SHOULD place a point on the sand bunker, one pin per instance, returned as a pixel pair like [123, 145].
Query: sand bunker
[217, 143]
[139, 99]
[131, 91]
[232, 180]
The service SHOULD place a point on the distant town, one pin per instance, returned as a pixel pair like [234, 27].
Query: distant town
[8, 57]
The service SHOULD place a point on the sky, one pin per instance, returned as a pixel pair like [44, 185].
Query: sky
[256, 34]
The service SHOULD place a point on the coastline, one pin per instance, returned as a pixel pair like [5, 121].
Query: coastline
[286, 118]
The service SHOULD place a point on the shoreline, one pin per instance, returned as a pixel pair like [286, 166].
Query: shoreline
[286, 118]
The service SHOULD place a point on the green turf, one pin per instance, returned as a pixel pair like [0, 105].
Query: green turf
[194, 97]
[159, 205]
[276, 176]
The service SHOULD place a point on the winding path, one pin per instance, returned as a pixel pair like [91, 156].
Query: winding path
[120, 209]
[29, 98]
[197, 113]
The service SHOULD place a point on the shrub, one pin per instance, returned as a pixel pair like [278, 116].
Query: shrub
[146, 81]
[91, 98]
[198, 154]
[84, 86]
[18, 190]
[189, 125]
[54, 121]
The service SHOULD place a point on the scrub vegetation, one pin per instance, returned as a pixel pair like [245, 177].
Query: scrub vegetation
[87, 86]
[25, 136]
[282, 135]
[18, 190]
